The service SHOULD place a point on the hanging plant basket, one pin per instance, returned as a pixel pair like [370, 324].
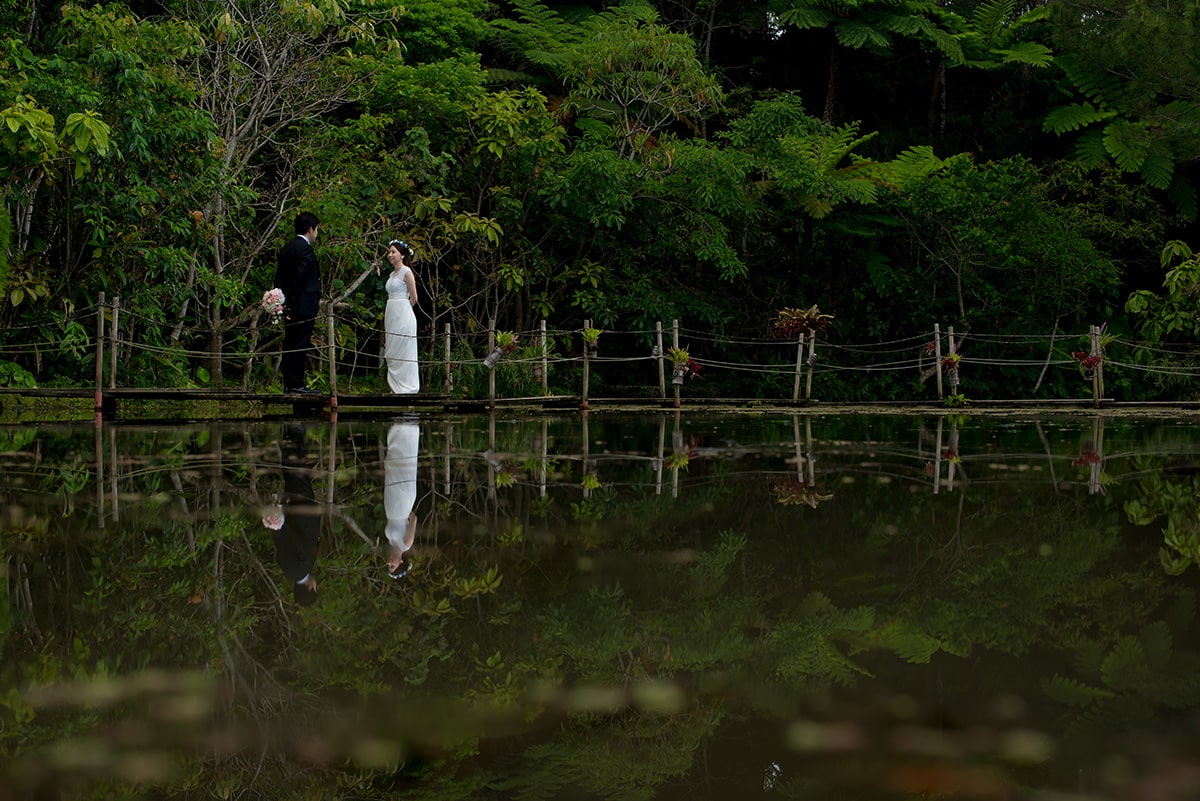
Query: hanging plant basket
[678, 373]
[537, 372]
[492, 359]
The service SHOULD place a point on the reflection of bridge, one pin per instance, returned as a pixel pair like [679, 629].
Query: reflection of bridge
[222, 404]
[933, 462]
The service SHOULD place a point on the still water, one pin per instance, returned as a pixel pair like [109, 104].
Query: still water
[644, 607]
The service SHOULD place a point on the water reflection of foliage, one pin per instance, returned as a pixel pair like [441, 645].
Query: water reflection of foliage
[1130, 680]
[1175, 498]
[662, 594]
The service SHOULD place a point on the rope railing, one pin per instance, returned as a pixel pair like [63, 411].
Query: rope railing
[126, 341]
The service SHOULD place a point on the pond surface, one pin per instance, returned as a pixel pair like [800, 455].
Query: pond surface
[642, 607]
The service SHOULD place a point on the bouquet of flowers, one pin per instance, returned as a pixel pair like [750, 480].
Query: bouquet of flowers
[272, 516]
[272, 304]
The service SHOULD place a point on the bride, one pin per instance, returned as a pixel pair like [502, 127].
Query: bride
[400, 323]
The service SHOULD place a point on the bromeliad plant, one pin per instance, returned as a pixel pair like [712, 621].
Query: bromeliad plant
[506, 341]
[791, 323]
[684, 366]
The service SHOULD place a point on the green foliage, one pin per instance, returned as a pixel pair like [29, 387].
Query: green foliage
[1132, 63]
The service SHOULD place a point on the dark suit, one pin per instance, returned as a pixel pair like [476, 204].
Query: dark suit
[300, 279]
[296, 542]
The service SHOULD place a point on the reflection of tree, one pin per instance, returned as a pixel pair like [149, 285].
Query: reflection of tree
[1175, 499]
[720, 581]
[1132, 680]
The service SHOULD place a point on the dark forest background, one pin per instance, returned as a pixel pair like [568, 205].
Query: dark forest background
[1017, 171]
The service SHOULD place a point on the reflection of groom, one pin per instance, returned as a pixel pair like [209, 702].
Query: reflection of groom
[400, 494]
[296, 540]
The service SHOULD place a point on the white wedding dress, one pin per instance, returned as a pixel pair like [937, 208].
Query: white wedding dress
[400, 484]
[400, 337]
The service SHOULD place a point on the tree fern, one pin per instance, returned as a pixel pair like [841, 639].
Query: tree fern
[990, 19]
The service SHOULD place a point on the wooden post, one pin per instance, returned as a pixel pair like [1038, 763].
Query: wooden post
[662, 376]
[98, 438]
[332, 467]
[675, 344]
[676, 447]
[449, 385]
[100, 355]
[545, 372]
[491, 460]
[1094, 348]
[954, 370]
[545, 458]
[112, 472]
[662, 435]
[810, 462]
[937, 459]
[586, 367]
[448, 435]
[492, 371]
[937, 355]
[812, 360]
[799, 450]
[587, 492]
[112, 354]
[331, 347]
[799, 368]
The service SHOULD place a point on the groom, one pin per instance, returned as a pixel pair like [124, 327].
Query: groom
[300, 279]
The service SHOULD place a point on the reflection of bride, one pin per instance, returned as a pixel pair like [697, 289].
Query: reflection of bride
[400, 494]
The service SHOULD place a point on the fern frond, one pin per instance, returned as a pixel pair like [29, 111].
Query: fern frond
[1090, 150]
[1031, 53]
[1158, 171]
[947, 45]
[816, 207]
[1125, 667]
[860, 35]
[1096, 84]
[1075, 116]
[990, 18]
[1181, 692]
[1157, 643]
[803, 17]
[816, 603]
[1073, 693]
[1126, 142]
[1088, 659]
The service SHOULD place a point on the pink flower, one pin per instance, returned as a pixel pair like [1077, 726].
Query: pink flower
[272, 303]
[272, 517]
